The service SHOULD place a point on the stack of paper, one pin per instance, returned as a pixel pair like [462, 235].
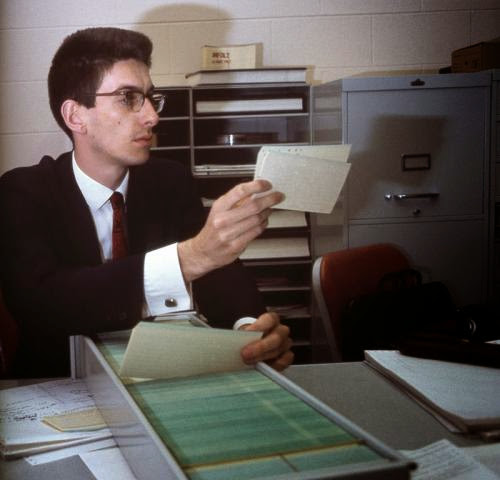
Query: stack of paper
[287, 219]
[276, 248]
[23, 410]
[465, 396]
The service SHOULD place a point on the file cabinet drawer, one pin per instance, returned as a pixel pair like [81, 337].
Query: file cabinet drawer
[416, 152]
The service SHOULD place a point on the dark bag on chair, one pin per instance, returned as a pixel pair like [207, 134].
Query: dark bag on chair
[401, 307]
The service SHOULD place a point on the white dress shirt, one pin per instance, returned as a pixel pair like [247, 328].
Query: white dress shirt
[163, 280]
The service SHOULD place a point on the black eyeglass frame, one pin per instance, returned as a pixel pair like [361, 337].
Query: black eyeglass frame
[156, 98]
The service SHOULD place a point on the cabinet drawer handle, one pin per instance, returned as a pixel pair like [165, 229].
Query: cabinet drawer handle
[405, 196]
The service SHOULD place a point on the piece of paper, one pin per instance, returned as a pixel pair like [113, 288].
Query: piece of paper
[108, 464]
[339, 153]
[23, 408]
[488, 454]
[310, 183]
[90, 419]
[442, 460]
[286, 219]
[276, 248]
[161, 350]
[65, 452]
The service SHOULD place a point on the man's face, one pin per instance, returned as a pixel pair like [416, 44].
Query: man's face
[117, 135]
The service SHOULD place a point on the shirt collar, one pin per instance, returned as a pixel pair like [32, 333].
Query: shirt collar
[95, 193]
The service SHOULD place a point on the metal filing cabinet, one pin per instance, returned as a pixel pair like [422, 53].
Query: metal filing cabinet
[420, 173]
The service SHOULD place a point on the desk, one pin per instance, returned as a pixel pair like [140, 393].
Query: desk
[353, 389]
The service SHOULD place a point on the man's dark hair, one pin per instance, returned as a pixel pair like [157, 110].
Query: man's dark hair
[83, 59]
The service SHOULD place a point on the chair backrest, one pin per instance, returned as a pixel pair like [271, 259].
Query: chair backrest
[339, 277]
[9, 339]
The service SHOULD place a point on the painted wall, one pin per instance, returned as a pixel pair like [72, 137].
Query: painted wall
[335, 38]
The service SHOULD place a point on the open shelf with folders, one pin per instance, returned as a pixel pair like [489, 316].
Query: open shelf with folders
[231, 123]
[172, 138]
[217, 131]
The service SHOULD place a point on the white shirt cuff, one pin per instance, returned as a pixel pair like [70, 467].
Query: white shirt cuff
[243, 321]
[164, 288]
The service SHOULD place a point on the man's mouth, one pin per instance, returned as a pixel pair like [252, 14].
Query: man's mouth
[144, 140]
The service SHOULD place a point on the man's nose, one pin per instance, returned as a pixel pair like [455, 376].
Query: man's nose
[149, 112]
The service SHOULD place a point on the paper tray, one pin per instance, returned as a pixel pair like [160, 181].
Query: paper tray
[150, 458]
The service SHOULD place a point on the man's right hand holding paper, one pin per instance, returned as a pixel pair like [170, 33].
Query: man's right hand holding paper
[235, 219]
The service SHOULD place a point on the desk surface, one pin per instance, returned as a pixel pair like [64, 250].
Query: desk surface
[352, 389]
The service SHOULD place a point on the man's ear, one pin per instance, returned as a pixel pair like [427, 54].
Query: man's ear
[74, 115]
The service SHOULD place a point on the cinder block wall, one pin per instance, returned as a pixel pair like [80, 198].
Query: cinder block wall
[335, 38]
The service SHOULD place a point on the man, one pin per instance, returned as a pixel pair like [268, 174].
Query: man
[64, 270]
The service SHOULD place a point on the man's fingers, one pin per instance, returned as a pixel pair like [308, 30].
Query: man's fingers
[266, 322]
[270, 346]
[283, 361]
[233, 223]
[241, 191]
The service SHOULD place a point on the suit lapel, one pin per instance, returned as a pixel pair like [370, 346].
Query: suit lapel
[76, 216]
[144, 222]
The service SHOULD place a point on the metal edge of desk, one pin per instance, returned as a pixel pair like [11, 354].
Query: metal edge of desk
[150, 459]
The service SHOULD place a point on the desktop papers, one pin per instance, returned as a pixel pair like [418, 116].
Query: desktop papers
[311, 177]
[162, 350]
[443, 461]
[22, 410]
[107, 464]
[465, 395]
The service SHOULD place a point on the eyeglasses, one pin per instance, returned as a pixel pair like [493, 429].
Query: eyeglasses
[134, 99]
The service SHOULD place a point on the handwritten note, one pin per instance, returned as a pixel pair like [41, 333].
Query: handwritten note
[442, 460]
[23, 408]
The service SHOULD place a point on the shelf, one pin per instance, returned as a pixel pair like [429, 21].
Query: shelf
[175, 147]
[252, 115]
[245, 145]
[173, 119]
[305, 288]
[220, 147]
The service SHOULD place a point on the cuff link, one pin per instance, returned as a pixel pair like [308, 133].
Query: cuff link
[171, 302]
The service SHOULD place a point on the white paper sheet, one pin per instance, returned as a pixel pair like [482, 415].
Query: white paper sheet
[442, 460]
[66, 452]
[338, 153]
[310, 179]
[157, 350]
[276, 248]
[108, 464]
[22, 410]
[488, 454]
[286, 219]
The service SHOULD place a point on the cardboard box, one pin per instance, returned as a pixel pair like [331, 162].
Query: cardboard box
[481, 56]
[228, 57]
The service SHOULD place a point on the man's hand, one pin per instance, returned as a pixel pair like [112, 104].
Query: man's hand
[235, 219]
[274, 346]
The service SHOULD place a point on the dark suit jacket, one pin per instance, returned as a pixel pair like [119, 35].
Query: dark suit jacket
[52, 276]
